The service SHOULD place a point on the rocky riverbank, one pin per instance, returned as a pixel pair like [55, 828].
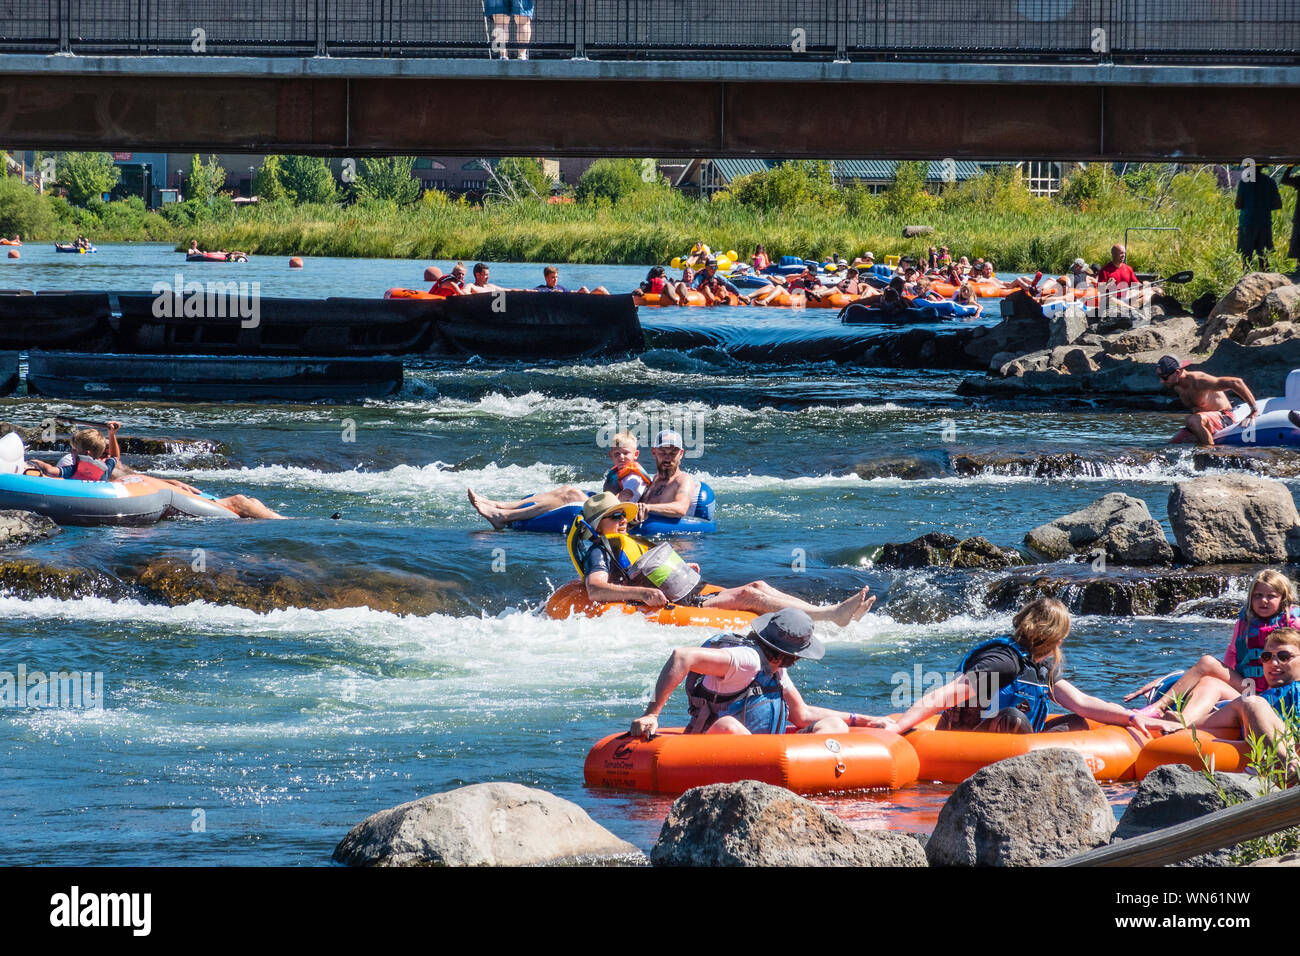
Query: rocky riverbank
[1252, 332]
[1030, 810]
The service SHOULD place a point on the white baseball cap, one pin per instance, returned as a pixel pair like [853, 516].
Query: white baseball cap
[668, 439]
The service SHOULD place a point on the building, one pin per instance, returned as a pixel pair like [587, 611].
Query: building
[704, 177]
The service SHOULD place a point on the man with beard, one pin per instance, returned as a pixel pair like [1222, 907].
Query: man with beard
[672, 493]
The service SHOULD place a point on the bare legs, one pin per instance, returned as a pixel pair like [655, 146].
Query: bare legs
[247, 507]
[1205, 667]
[1252, 716]
[501, 513]
[501, 34]
[761, 598]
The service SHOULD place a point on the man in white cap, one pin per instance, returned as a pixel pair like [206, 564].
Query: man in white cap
[672, 493]
[737, 684]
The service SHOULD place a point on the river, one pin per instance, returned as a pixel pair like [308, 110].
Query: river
[229, 736]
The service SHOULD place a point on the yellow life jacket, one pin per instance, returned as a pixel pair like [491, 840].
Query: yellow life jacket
[627, 548]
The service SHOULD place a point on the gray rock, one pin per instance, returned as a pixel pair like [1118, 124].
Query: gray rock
[24, 527]
[756, 824]
[911, 232]
[1223, 519]
[1280, 305]
[1174, 794]
[1116, 593]
[1066, 328]
[1264, 368]
[1078, 361]
[1178, 335]
[910, 467]
[1023, 811]
[1249, 292]
[1288, 859]
[1117, 524]
[487, 824]
[937, 549]
[1015, 335]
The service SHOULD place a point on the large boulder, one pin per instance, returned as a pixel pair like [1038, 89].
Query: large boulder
[756, 824]
[1023, 811]
[1248, 293]
[1223, 519]
[1116, 524]
[1263, 367]
[1067, 327]
[1016, 335]
[1280, 305]
[24, 527]
[1178, 334]
[1174, 794]
[487, 824]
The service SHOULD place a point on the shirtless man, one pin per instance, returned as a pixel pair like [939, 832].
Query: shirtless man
[1206, 395]
[481, 283]
[672, 493]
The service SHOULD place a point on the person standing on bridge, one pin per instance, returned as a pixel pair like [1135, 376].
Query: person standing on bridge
[499, 13]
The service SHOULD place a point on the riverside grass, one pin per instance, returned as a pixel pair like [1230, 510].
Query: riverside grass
[991, 217]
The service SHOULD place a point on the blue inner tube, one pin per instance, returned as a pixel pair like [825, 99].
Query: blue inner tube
[1271, 427]
[702, 521]
[69, 501]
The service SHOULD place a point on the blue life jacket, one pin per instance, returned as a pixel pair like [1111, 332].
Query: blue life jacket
[1028, 692]
[760, 706]
[1285, 699]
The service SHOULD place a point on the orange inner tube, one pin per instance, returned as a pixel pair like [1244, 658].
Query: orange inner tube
[673, 761]
[411, 294]
[571, 599]
[1229, 756]
[950, 756]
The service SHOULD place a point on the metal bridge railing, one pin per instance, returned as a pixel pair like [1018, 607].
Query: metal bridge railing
[1213, 31]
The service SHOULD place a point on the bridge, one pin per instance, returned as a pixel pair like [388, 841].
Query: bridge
[1184, 80]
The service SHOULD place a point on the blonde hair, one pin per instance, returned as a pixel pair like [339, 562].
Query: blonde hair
[89, 442]
[1284, 635]
[624, 438]
[1040, 627]
[1275, 581]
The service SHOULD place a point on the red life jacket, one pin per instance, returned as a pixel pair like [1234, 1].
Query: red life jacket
[447, 285]
[88, 469]
[657, 285]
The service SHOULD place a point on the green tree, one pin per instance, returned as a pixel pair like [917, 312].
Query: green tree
[268, 181]
[907, 196]
[518, 179]
[204, 180]
[85, 176]
[23, 210]
[615, 179]
[789, 185]
[307, 179]
[387, 178]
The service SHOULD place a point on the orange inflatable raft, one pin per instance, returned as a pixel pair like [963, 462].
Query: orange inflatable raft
[984, 289]
[572, 599]
[411, 294]
[655, 300]
[1229, 756]
[674, 762]
[950, 756]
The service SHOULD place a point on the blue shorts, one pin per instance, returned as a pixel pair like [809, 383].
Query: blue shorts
[502, 8]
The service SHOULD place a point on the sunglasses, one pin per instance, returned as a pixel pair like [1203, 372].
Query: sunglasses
[1283, 657]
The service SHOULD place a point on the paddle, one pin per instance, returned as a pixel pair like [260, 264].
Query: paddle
[1178, 278]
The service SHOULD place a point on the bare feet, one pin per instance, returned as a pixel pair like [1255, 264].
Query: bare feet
[852, 608]
[488, 509]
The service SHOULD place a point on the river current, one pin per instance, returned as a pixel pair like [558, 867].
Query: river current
[229, 736]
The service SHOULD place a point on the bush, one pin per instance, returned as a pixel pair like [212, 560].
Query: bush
[387, 179]
[613, 180]
[23, 210]
[998, 190]
[307, 179]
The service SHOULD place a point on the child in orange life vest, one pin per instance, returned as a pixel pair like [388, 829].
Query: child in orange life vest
[1209, 682]
[627, 479]
[91, 456]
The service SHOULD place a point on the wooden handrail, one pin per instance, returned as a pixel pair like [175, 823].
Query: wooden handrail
[1245, 821]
